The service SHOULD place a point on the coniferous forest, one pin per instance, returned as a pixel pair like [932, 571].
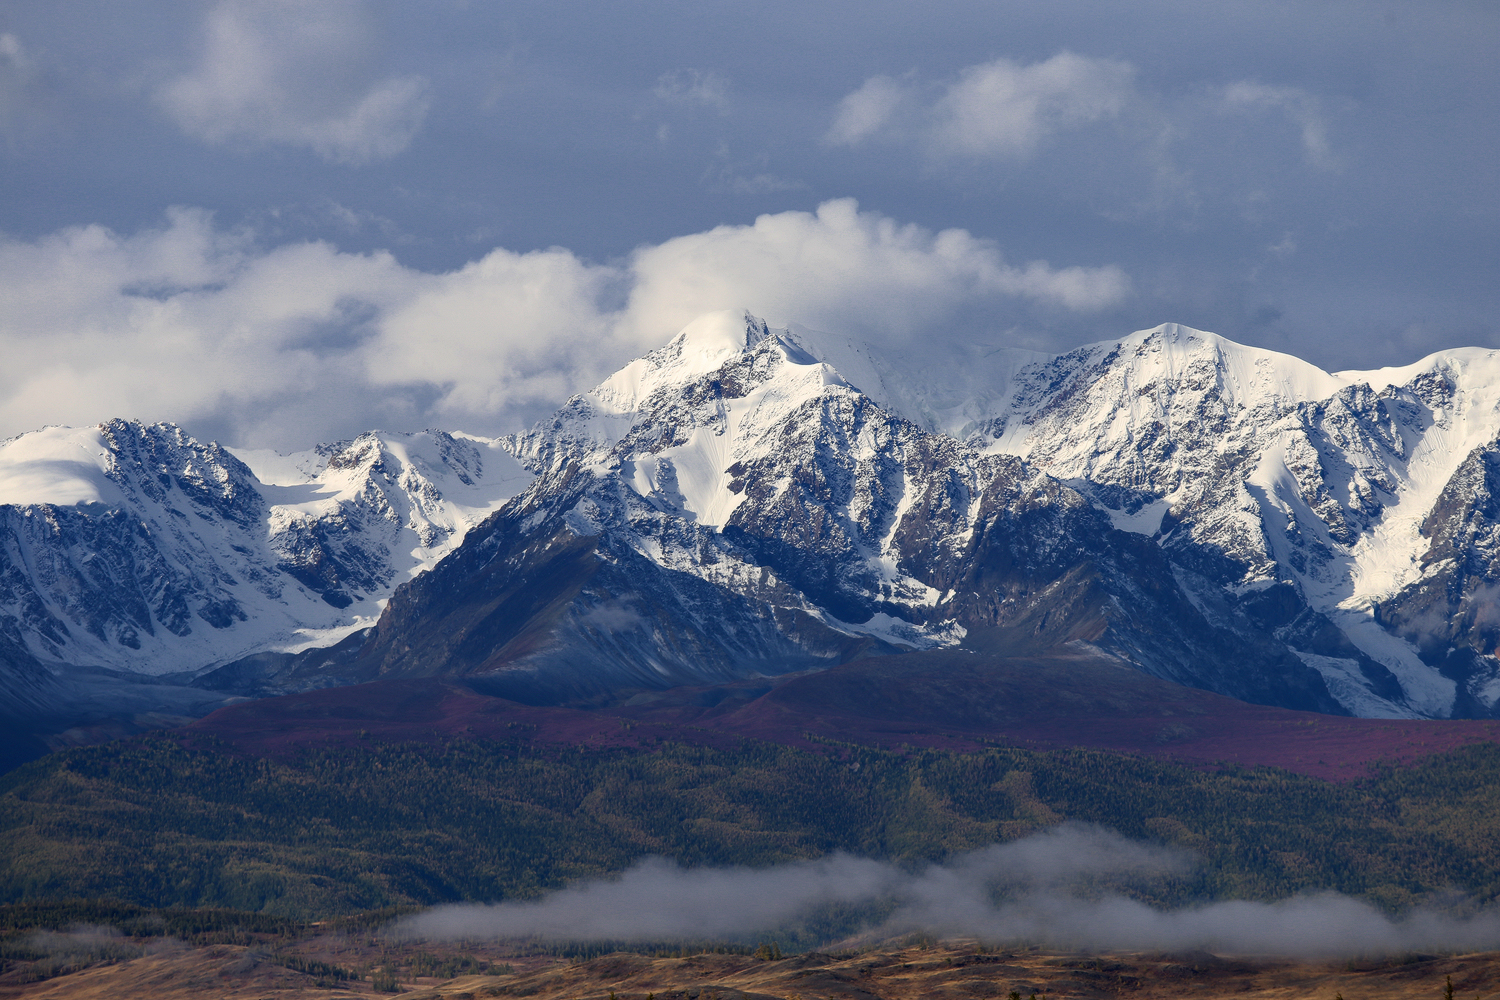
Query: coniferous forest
[156, 823]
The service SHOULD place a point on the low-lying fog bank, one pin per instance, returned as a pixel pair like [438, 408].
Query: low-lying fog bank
[1072, 886]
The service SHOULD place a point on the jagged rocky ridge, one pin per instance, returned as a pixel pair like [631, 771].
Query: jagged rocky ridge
[748, 501]
[136, 549]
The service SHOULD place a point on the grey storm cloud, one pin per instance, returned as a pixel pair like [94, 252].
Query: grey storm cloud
[413, 214]
[1060, 888]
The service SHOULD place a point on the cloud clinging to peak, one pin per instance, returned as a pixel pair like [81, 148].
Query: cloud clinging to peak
[303, 342]
[273, 71]
[843, 268]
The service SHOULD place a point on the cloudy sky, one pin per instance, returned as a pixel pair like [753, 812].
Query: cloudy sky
[277, 223]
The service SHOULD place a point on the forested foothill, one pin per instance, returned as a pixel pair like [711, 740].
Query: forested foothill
[340, 830]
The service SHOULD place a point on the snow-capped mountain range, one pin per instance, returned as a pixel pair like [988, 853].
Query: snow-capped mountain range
[745, 500]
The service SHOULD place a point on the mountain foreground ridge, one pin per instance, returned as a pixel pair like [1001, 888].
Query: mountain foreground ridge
[749, 501]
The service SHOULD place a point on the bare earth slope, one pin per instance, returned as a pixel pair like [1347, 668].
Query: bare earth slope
[953, 970]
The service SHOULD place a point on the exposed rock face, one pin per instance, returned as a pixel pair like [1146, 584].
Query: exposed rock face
[1452, 612]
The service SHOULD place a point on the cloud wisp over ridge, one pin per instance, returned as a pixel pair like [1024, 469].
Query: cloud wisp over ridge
[1001, 108]
[1059, 888]
[692, 87]
[1300, 107]
[1006, 110]
[284, 346]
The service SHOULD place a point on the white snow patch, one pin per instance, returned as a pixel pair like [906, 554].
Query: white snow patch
[1388, 558]
[702, 481]
[1428, 692]
[901, 632]
[1146, 521]
[302, 639]
[1350, 689]
[1488, 693]
[275, 469]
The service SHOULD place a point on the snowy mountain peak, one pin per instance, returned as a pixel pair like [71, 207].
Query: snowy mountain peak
[1167, 374]
[64, 466]
[57, 465]
[709, 340]
[717, 358]
[1249, 376]
[703, 346]
[430, 485]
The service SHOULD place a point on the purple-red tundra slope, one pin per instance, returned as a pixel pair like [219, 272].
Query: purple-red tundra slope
[950, 700]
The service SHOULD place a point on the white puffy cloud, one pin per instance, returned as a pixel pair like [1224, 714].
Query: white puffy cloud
[292, 73]
[843, 269]
[1300, 107]
[502, 334]
[180, 322]
[1003, 108]
[298, 343]
[1000, 108]
[870, 111]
